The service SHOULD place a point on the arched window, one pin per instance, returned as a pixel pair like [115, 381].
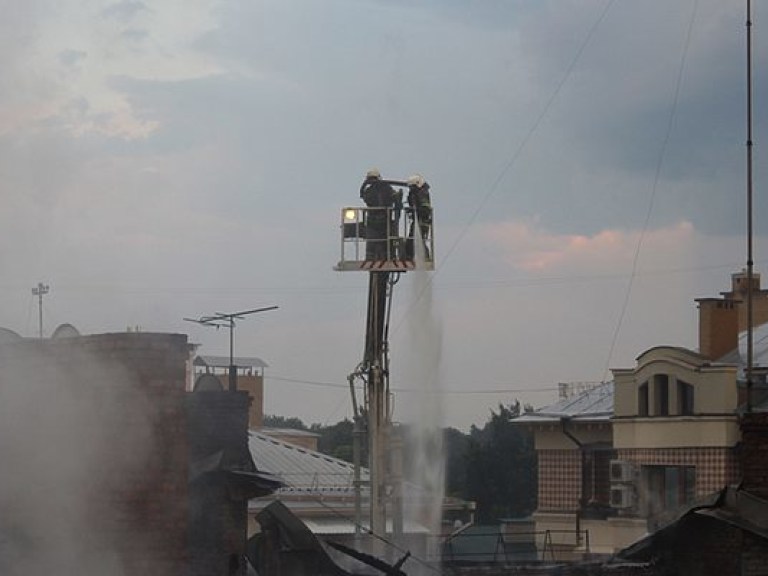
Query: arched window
[684, 398]
[642, 399]
[661, 395]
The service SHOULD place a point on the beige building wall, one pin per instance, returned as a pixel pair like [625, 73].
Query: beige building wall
[552, 437]
[254, 385]
[714, 386]
[676, 432]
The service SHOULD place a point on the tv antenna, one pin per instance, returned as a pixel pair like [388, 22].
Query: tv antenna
[220, 320]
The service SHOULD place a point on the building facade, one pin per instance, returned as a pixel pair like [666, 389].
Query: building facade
[616, 460]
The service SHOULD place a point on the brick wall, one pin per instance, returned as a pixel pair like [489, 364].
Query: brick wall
[715, 467]
[218, 424]
[151, 500]
[559, 480]
[754, 453]
[107, 411]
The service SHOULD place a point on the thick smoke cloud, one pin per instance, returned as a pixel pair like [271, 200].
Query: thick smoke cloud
[73, 434]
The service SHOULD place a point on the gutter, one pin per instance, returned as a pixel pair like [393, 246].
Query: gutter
[564, 424]
[564, 421]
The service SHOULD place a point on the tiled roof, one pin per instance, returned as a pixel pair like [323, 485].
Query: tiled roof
[593, 405]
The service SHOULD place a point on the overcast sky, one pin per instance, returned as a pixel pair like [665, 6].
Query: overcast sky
[176, 158]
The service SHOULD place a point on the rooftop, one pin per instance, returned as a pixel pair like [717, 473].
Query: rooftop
[590, 405]
[304, 471]
[223, 362]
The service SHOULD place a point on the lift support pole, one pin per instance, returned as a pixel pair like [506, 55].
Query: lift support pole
[375, 359]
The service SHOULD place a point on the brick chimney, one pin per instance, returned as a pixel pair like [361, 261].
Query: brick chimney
[722, 319]
[718, 326]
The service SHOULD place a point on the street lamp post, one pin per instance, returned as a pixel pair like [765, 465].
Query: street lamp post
[40, 290]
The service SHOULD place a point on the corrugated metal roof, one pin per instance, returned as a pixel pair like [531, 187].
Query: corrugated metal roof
[594, 404]
[759, 350]
[347, 526]
[303, 470]
[223, 362]
[277, 432]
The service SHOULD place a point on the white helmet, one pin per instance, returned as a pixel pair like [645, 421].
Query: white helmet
[373, 173]
[416, 180]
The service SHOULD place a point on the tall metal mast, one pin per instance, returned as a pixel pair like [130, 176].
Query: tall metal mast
[750, 261]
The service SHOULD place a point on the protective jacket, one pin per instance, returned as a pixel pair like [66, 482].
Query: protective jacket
[419, 200]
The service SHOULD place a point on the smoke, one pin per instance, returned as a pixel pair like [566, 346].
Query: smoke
[74, 432]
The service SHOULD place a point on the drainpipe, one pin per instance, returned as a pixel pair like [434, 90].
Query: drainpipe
[564, 425]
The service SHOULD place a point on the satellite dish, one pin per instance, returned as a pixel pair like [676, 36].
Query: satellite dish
[208, 383]
[7, 336]
[65, 331]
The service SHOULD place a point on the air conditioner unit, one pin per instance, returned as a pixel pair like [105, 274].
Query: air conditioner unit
[622, 497]
[622, 471]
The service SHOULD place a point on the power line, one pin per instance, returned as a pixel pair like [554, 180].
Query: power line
[654, 189]
[515, 155]
[455, 391]
[315, 290]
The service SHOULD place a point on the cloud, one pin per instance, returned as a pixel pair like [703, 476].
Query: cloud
[532, 249]
[181, 157]
[124, 11]
[77, 58]
[71, 58]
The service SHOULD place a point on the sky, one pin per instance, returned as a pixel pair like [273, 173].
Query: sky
[587, 161]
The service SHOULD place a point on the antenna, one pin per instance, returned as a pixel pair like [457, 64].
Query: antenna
[40, 290]
[219, 320]
[750, 262]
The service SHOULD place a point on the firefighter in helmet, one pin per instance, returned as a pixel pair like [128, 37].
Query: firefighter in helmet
[382, 218]
[420, 214]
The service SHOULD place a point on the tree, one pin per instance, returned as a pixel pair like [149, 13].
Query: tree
[273, 421]
[501, 468]
[494, 466]
[456, 445]
[338, 440]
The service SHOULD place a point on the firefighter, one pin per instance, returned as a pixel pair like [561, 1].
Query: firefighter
[420, 212]
[381, 222]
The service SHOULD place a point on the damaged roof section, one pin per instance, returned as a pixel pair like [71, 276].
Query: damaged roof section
[684, 536]
[287, 547]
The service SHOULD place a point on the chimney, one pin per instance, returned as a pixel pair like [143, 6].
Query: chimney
[718, 326]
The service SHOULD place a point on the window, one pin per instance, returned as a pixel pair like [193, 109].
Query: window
[596, 480]
[668, 487]
[684, 398]
[661, 395]
[642, 399]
